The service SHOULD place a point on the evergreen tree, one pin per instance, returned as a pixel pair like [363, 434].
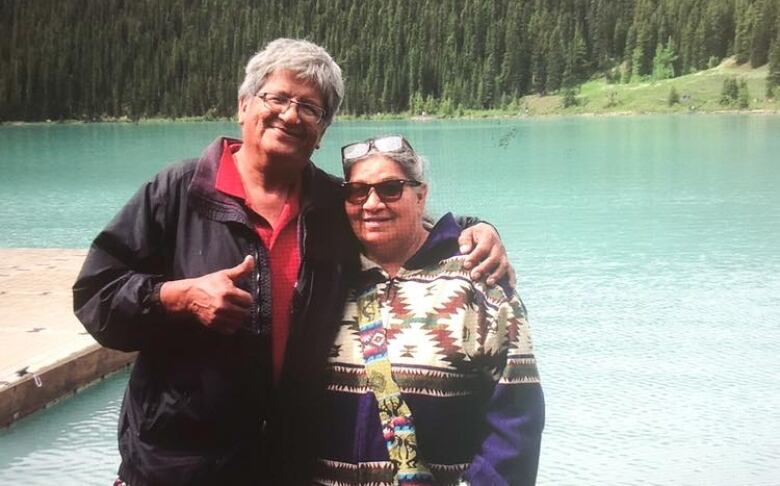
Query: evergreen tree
[663, 62]
[569, 98]
[773, 76]
[729, 92]
[673, 98]
[743, 96]
[577, 62]
[555, 62]
[742, 40]
[173, 58]
[629, 54]
[539, 73]
[762, 32]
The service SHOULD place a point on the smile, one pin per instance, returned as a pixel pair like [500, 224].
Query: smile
[287, 132]
[376, 221]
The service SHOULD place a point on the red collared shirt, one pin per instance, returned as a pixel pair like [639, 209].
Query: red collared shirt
[281, 241]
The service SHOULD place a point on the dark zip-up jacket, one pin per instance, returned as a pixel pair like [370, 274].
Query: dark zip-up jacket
[200, 407]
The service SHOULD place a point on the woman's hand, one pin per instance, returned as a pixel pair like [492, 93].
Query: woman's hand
[485, 254]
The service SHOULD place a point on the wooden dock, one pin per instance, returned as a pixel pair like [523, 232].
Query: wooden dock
[45, 353]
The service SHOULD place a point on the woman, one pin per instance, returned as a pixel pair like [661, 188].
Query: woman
[432, 379]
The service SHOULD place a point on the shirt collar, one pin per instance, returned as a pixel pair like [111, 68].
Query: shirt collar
[228, 179]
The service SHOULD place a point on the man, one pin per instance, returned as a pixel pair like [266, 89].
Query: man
[225, 273]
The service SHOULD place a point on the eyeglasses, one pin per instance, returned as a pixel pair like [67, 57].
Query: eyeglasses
[281, 103]
[388, 191]
[391, 143]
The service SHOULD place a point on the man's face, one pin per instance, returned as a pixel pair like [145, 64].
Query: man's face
[281, 136]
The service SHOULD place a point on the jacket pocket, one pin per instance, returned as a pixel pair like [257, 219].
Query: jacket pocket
[164, 416]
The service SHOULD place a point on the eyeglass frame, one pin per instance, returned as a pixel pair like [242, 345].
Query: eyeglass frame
[288, 100]
[384, 198]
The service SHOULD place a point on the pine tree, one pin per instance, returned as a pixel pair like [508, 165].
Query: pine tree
[172, 58]
[555, 62]
[569, 98]
[673, 98]
[745, 17]
[729, 92]
[762, 32]
[743, 96]
[773, 76]
[663, 61]
[539, 73]
[629, 54]
[577, 60]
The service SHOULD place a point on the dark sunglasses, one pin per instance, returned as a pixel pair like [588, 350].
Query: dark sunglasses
[388, 191]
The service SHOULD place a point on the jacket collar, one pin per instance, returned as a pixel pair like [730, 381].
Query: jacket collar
[441, 243]
[318, 189]
[204, 195]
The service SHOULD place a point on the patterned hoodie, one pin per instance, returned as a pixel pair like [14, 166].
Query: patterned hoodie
[468, 407]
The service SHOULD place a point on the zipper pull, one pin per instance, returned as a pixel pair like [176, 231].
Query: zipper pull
[389, 287]
[385, 304]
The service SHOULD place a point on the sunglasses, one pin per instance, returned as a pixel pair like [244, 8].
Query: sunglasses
[390, 143]
[388, 191]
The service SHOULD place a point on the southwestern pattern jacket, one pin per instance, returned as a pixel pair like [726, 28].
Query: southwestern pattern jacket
[461, 354]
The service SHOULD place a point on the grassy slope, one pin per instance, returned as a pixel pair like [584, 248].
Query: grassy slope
[702, 88]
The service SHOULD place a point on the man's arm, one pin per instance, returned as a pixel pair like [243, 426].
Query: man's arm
[122, 293]
[485, 254]
[113, 296]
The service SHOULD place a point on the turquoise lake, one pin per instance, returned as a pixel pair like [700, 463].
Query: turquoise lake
[647, 251]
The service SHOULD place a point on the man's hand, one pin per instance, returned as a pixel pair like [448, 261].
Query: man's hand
[212, 299]
[485, 254]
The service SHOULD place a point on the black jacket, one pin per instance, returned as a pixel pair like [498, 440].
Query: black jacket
[200, 407]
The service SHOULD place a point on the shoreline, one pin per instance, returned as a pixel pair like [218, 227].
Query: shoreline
[486, 115]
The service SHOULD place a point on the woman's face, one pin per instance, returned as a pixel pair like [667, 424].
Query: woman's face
[385, 226]
[281, 136]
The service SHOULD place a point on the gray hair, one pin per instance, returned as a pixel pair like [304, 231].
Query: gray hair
[413, 165]
[307, 60]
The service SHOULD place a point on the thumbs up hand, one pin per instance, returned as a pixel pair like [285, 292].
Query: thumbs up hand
[213, 299]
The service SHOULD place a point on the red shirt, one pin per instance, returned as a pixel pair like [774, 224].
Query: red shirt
[281, 241]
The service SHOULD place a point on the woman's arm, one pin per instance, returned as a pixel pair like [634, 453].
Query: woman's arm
[509, 454]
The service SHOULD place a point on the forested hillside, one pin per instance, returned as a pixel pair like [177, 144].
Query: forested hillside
[94, 59]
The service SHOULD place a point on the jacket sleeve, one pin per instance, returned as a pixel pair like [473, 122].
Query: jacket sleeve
[514, 417]
[113, 294]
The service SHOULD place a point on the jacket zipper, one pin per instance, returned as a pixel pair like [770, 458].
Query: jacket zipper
[300, 282]
[256, 290]
[389, 293]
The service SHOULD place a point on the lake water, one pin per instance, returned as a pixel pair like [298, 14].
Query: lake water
[647, 251]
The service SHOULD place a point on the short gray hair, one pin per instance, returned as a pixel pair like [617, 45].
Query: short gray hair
[307, 60]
